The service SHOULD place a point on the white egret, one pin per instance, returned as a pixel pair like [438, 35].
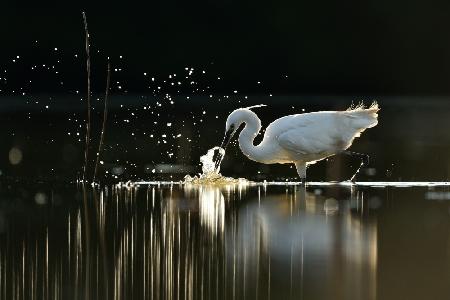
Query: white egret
[301, 139]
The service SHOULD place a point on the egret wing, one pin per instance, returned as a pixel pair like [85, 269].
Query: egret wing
[308, 137]
[291, 141]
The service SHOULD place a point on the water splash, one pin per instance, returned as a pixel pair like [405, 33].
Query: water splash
[211, 175]
[207, 160]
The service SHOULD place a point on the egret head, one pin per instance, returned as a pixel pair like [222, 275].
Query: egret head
[234, 121]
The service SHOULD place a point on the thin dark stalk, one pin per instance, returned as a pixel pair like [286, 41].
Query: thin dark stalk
[88, 121]
[105, 117]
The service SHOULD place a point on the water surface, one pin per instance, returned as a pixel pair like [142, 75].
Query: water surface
[172, 241]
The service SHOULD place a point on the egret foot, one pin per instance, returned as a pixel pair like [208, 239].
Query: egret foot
[364, 161]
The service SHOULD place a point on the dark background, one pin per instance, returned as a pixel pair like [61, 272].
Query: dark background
[294, 56]
[342, 47]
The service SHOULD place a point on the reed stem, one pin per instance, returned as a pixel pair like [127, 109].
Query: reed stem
[105, 117]
[88, 121]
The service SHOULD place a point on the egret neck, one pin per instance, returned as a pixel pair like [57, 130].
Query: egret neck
[248, 134]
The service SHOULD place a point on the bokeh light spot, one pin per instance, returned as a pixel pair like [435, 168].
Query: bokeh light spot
[40, 198]
[15, 156]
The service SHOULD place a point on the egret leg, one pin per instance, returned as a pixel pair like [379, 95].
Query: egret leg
[301, 170]
[364, 161]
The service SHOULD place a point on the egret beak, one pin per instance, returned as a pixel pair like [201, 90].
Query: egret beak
[226, 140]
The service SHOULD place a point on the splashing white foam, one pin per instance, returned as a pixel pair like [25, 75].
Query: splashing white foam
[208, 165]
[211, 175]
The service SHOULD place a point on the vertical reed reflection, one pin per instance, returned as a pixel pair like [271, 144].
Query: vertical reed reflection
[190, 242]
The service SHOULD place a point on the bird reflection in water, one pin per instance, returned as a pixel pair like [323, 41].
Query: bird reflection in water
[192, 242]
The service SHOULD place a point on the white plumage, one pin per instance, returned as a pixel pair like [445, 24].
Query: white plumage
[301, 139]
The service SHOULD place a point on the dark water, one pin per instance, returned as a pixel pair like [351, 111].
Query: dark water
[59, 240]
[151, 142]
[235, 242]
